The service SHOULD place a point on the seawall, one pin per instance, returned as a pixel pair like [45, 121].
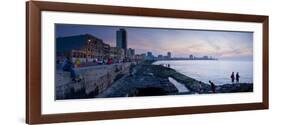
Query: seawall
[94, 80]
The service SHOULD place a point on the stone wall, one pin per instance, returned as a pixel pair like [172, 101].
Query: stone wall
[95, 79]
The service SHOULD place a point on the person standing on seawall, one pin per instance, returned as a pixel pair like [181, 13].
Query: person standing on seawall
[232, 77]
[213, 86]
[237, 77]
[68, 67]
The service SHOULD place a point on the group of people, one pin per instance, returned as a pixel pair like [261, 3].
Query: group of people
[235, 77]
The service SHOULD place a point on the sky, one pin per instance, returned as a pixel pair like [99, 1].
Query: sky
[180, 42]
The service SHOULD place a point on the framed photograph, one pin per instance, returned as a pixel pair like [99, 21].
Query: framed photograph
[94, 62]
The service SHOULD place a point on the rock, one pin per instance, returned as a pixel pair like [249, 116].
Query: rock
[237, 87]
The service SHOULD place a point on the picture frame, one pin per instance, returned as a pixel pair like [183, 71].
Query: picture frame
[34, 57]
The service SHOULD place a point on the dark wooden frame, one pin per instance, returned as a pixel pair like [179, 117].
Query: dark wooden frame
[33, 61]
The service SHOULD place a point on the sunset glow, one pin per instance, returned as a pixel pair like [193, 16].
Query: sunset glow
[181, 43]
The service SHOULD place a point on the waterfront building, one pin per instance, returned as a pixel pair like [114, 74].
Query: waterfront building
[140, 57]
[130, 53]
[85, 47]
[117, 53]
[121, 39]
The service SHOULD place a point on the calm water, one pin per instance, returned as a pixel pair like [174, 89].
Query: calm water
[218, 71]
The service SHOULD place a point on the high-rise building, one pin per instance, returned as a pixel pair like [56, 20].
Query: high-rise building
[149, 54]
[121, 40]
[130, 52]
[191, 57]
[169, 55]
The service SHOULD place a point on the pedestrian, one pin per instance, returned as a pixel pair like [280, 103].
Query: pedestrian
[232, 77]
[237, 77]
[68, 67]
[213, 86]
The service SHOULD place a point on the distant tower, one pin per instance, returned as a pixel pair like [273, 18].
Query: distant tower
[121, 40]
[149, 54]
[169, 55]
[191, 57]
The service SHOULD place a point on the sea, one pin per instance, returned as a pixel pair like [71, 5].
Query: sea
[218, 71]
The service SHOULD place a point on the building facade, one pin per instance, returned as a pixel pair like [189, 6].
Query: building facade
[130, 53]
[86, 48]
[117, 53]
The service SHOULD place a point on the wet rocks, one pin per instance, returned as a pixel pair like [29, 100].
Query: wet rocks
[236, 87]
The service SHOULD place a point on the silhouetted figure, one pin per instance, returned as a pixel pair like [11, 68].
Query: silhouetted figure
[213, 86]
[237, 77]
[232, 77]
[168, 65]
[68, 67]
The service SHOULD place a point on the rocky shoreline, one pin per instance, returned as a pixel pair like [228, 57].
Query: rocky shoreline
[143, 79]
[147, 79]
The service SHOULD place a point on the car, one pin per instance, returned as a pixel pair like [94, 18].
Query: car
[100, 62]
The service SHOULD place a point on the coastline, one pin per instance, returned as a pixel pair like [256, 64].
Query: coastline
[142, 79]
[153, 80]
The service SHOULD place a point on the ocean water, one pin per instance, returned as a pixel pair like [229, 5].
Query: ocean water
[218, 71]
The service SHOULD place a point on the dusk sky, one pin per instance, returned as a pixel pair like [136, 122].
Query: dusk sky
[181, 43]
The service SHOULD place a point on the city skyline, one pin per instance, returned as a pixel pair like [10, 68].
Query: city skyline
[181, 43]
